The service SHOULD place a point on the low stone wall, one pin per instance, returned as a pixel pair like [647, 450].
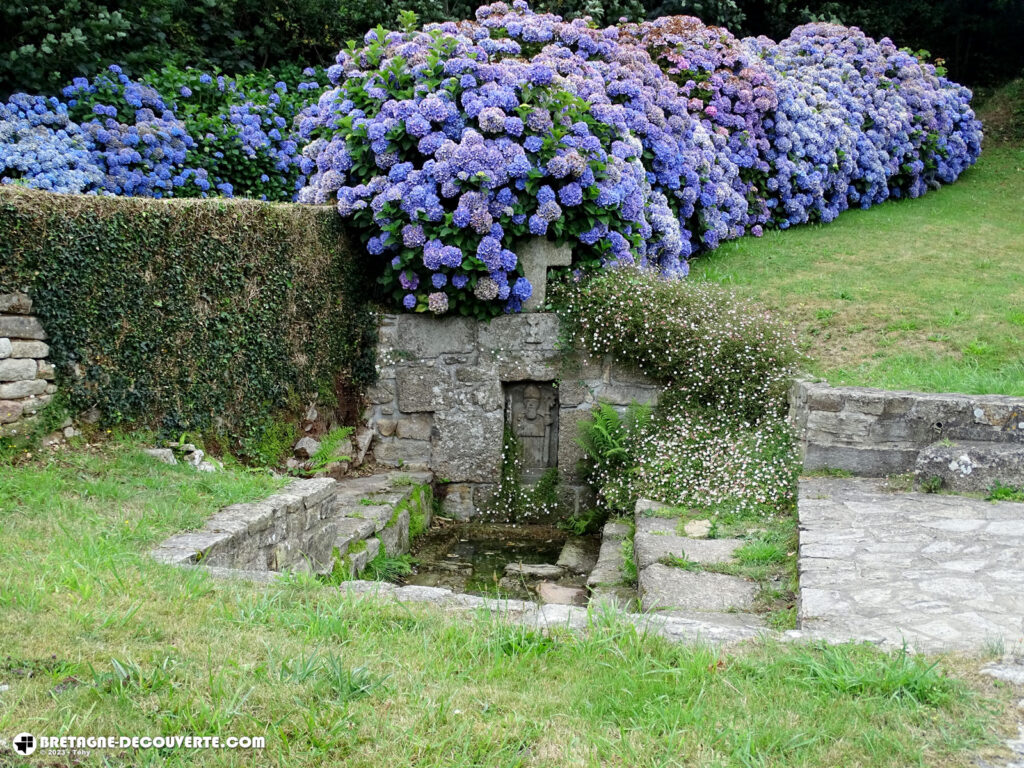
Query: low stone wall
[26, 378]
[315, 525]
[446, 393]
[876, 432]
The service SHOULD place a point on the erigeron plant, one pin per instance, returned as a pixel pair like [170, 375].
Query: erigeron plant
[717, 440]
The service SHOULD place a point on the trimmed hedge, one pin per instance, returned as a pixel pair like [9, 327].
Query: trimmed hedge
[212, 316]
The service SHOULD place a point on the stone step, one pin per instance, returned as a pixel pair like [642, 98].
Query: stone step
[609, 569]
[970, 467]
[656, 538]
[579, 554]
[662, 587]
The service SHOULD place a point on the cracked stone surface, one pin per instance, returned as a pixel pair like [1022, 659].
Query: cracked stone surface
[663, 587]
[941, 572]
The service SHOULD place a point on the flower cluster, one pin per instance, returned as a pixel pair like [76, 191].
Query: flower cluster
[718, 438]
[449, 145]
[173, 134]
[858, 122]
[40, 147]
[642, 143]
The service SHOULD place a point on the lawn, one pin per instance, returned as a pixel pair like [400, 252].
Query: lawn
[99, 640]
[923, 294]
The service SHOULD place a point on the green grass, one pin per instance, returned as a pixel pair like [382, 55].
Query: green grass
[923, 294]
[99, 640]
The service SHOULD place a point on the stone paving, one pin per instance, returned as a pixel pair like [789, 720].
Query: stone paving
[941, 572]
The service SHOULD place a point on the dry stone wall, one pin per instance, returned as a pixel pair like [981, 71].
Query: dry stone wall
[876, 432]
[26, 377]
[448, 387]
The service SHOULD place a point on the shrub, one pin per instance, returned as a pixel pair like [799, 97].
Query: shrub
[450, 145]
[190, 315]
[714, 350]
[717, 440]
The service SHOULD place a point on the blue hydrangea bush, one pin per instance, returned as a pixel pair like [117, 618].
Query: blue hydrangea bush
[448, 146]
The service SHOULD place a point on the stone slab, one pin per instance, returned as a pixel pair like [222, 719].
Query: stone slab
[21, 327]
[556, 594]
[14, 369]
[15, 303]
[34, 349]
[17, 389]
[651, 548]
[423, 388]
[534, 570]
[941, 572]
[665, 587]
[971, 467]
[608, 571]
[579, 554]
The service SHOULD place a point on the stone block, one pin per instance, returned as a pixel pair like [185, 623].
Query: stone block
[534, 570]
[579, 554]
[394, 452]
[15, 303]
[285, 502]
[529, 366]
[202, 544]
[819, 397]
[421, 337]
[417, 426]
[651, 547]
[971, 467]
[381, 392]
[662, 587]
[36, 349]
[532, 333]
[359, 560]
[395, 535]
[313, 490]
[625, 374]
[627, 394]
[574, 392]
[6, 348]
[33, 404]
[569, 451]
[348, 530]
[163, 455]
[608, 571]
[21, 327]
[385, 427]
[468, 445]
[46, 370]
[10, 411]
[423, 388]
[306, 447]
[13, 369]
[458, 503]
[487, 396]
[26, 388]
[866, 462]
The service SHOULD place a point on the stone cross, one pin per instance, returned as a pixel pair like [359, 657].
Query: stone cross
[536, 255]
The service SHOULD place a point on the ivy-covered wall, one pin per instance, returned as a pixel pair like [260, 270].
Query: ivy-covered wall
[202, 316]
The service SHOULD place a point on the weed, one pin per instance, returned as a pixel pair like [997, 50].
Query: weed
[1000, 492]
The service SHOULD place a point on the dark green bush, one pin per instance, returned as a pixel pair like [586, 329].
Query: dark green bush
[222, 317]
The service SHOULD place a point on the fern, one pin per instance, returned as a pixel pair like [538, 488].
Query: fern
[328, 452]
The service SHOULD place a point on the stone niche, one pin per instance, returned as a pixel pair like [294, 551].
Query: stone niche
[448, 387]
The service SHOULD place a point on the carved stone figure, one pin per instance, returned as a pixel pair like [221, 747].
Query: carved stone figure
[532, 411]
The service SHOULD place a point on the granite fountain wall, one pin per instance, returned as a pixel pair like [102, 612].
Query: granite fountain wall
[449, 387]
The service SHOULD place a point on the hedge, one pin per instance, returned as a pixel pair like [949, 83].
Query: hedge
[220, 317]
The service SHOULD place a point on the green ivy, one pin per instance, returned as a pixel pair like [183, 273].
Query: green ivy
[222, 317]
